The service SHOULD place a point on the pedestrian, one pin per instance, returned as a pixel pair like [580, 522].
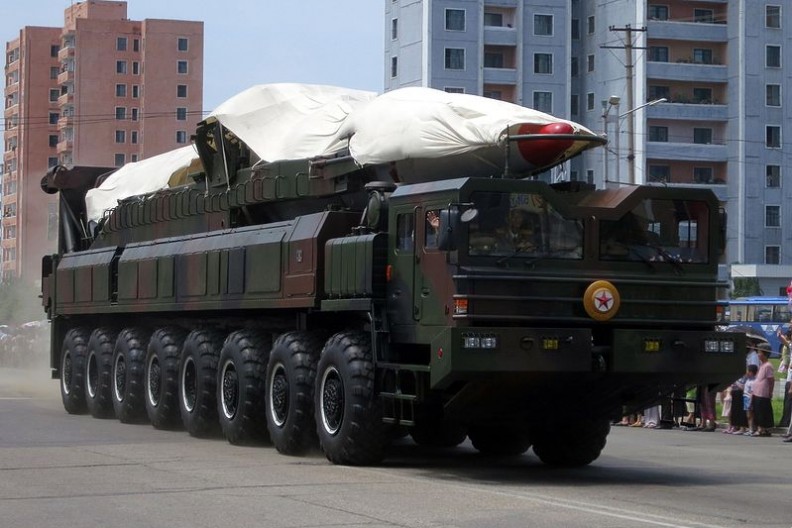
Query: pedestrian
[762, 396]
[785, 337]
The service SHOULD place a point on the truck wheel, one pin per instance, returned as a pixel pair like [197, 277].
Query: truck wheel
[129, 358]
[72, 372]
[291, 374]
[198, 382]
[241, 387]
[162, 377]
[348, 412]
[438, 433]
[99, 366]
[572, 447]
[499, 440]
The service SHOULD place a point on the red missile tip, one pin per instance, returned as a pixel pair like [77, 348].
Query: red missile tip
[541, 152]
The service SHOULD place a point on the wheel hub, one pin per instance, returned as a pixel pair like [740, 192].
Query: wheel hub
[332, 401]
[93, 375]
[189, 388]
[120, 378]
[279, 396]
[67, 373]
[230, 390]
[154, 381]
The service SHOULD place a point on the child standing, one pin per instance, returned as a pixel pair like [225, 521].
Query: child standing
[748, 397]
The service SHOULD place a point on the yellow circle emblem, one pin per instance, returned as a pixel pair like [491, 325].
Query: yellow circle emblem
[601, 300]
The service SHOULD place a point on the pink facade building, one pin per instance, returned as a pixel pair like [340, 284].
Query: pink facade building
[102, 90]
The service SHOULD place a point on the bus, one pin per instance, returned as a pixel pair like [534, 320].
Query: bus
[764, 314]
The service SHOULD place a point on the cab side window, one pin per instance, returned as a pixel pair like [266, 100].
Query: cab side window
[405, 232]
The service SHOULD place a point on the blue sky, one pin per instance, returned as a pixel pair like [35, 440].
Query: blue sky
[248, 42]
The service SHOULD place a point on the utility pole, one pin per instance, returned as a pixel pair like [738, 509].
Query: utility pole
[629, 66]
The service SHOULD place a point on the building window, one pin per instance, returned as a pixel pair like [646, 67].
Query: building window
[181, 137]
[453, 89]
[773, 136]
[120, 113]
[659, 92]
[702, 174]
[590, 101]
[133, 137]
[52, 161]
[658, 53]
[658, 12]
[590, 176]
[543, 101]
[54, 49]
[773, 175]
[394, 66]
[182, 44]
[590, 63]
[493, 94]
[181, 90]
[134, 114]
[773, 16]
[133, 158]
[573, 66]
[772, 254]
[53, 118]
[773, 56]
[54, 72]
[181, 67]
[493, 20]
[120, 159]
[120, 136]
[772, 216]
[181, 114]
[53, 95]
[53, 141]
[455, 19]
[658, 133]
[135, 45]
[121, 67]
[135, 68]
[493, 59]
[773, 94]
[135, 91]
[659, 173]
[575, 29]
[702, 56]
[574, 104]
[454, 59]
[702, 136]
[706, 16]
[543, 25]
[590, 25]
[543, 63]
[702, 95]
[120, 90]
[121, 44]
[394, 28]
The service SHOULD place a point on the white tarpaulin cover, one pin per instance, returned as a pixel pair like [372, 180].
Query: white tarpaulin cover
[297, 121]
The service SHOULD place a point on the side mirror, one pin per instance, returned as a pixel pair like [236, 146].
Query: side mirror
[450, 220]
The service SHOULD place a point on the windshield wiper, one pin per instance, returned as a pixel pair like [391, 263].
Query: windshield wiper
[667, 257]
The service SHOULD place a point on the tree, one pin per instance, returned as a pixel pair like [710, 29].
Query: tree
[746, 287]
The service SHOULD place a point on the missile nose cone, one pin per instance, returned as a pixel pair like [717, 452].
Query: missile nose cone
[541, 152]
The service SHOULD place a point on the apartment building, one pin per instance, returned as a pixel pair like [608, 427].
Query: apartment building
[102, 90]
[689, 92]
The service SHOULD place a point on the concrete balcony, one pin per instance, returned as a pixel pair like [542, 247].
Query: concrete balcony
[66, 53]
[500, 36]
[692, 31]
[65, 146]
[65, 76]
[692, 112]
[686, 152]
[500, 76]
[685, 71]
[66, 98]
[65, 121]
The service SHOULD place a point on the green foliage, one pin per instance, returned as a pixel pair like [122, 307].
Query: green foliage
[19, 303]
[746, 287]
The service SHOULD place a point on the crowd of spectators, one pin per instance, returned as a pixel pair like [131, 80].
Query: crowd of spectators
[24, 345]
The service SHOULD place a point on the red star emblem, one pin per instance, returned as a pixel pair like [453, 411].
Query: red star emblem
[604, 300]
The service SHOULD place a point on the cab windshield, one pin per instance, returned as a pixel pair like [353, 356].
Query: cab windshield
[674, 231]
[522, 225]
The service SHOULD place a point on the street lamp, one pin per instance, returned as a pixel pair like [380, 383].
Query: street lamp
[631, 139]
[613, 101]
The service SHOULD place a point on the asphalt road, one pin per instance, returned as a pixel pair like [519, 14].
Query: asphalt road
[58, 470]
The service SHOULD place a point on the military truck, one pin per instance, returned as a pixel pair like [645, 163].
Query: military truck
[321, 302]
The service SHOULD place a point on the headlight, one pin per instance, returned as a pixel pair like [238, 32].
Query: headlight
[488, 341]
[711, 345]
[727, 347]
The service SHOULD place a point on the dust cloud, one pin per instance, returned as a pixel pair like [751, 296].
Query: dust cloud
[24, 362]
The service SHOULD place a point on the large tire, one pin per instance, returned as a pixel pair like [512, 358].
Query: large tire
[241, 387]
[438, 433]
[348, 412]
[572, 447]
[72, 372]
[499, 440]
[291, 375]
[98, 373]
[129, 365]
[162, 377]
[198, 382]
